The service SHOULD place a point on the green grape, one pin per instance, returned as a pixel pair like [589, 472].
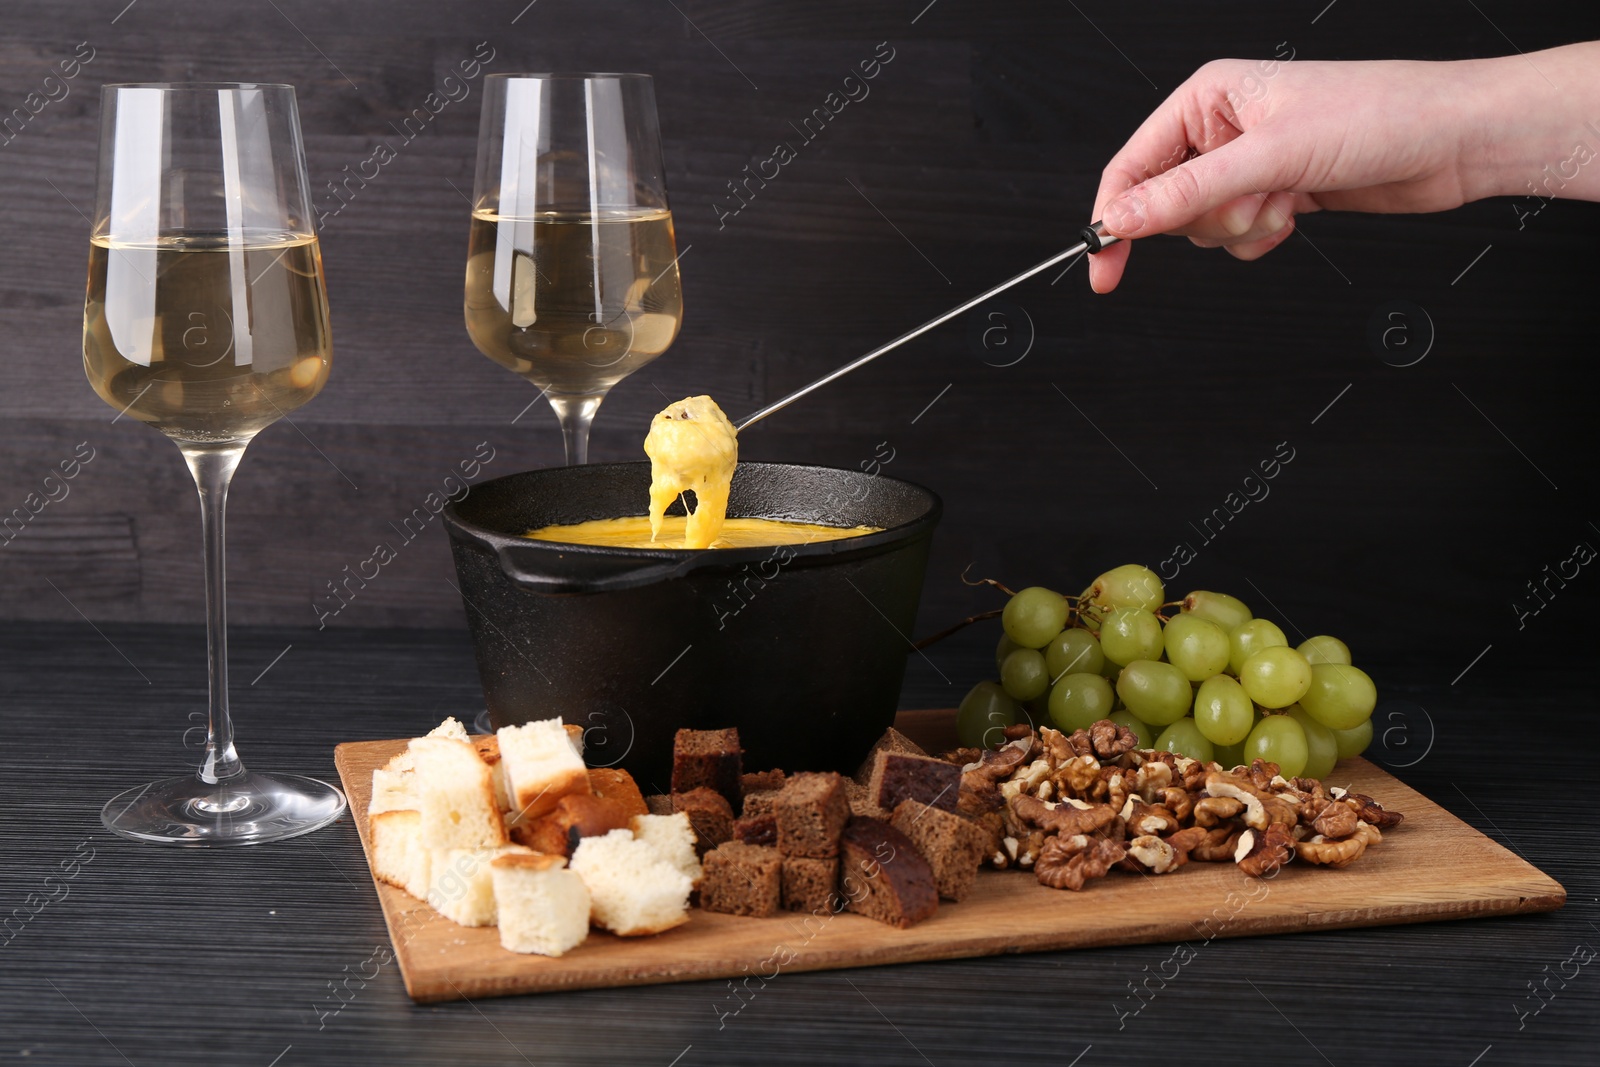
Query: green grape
[1078, 701]
[1226, 611]
[1248, 638]
[1034, 616]
[1341, 697]
[1071, 651]
[1230, 756]
[1354, 741]
[1324, 649]
[1184, 738]
[1278, 738]
[1140, 728]
[985, 711]
[1223, 711]
[1131, 634]
[1275, 677]
[1128, 586]
[1156, 692]
[1002, 650]
[1322, 748]
[1023, 674]
[1197, 647]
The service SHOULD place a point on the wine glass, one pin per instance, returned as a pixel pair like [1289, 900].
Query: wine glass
[207, 318]
[572, 267]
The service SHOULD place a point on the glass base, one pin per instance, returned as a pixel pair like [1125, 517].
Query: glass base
[249, 809]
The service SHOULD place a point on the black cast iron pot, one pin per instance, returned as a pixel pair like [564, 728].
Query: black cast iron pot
[802, 647]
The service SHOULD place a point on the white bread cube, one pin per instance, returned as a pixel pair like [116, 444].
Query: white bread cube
[501, 784]
[541, 767]
[394, 784]
[398, 855]
[488, 748]
[451, 727]
[673, 839]
[574, 734]
[455, 792]
[461, 888]
[632, 890]
[543, 908]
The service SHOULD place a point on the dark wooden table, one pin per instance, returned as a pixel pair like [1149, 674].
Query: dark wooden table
[143, 955]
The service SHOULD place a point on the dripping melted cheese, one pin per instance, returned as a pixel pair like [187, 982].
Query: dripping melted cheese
[692, 446]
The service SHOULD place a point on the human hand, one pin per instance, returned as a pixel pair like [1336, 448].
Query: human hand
[1243, 147]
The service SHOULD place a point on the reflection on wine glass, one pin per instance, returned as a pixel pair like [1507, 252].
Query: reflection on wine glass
[207, 318]
[572, 268]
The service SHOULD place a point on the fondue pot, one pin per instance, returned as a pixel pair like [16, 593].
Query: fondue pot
[801, 647]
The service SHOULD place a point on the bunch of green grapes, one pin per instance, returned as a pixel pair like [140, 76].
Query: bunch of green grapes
[1211, 681]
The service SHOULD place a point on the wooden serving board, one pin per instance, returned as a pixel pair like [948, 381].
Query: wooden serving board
[1432, 867]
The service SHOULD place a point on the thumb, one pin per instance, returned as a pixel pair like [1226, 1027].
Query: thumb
[1177, 197]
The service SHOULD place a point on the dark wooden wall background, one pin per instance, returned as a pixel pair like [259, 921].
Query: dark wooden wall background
[1414, 513]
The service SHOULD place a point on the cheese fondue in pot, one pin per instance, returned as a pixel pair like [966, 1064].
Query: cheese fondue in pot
[693, 447]
[635, 532]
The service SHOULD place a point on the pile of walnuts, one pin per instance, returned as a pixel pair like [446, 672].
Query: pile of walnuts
[1072, 807]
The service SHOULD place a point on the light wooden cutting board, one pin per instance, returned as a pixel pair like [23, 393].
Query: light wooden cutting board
[1432, 867]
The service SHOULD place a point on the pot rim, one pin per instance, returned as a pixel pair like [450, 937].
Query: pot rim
[865, 544]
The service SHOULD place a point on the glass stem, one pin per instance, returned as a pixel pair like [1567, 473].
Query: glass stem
[576, 414]
[213, 469]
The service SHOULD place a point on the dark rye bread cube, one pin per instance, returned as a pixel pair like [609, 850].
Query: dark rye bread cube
[953, 845]
[759, 803]
[709, 814]
[711, 759]
[756, 829]
[856, 794]
[891, 741]
[809, 884]
[658, 804]
[899, 776]
[883, 876]
[761, 781]
[742, 879]
[811, 811]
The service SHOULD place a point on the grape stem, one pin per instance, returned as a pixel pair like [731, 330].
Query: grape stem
[983, 581]
[1084, 613]
[962, 625]
[1162, 607]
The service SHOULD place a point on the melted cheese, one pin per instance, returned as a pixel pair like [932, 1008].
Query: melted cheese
[692, 446]
[637, 532]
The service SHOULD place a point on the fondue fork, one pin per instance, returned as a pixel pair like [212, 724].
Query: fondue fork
[1093, 239]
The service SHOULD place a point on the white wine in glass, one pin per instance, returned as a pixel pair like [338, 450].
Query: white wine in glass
[572, 266]
[167, 353]
[207, 318]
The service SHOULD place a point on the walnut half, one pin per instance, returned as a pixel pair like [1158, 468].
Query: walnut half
[1069, 862]
[1262, 851]
[1062, 818]
[1321, 850]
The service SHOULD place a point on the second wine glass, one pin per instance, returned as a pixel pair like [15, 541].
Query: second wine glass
[572, 266]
